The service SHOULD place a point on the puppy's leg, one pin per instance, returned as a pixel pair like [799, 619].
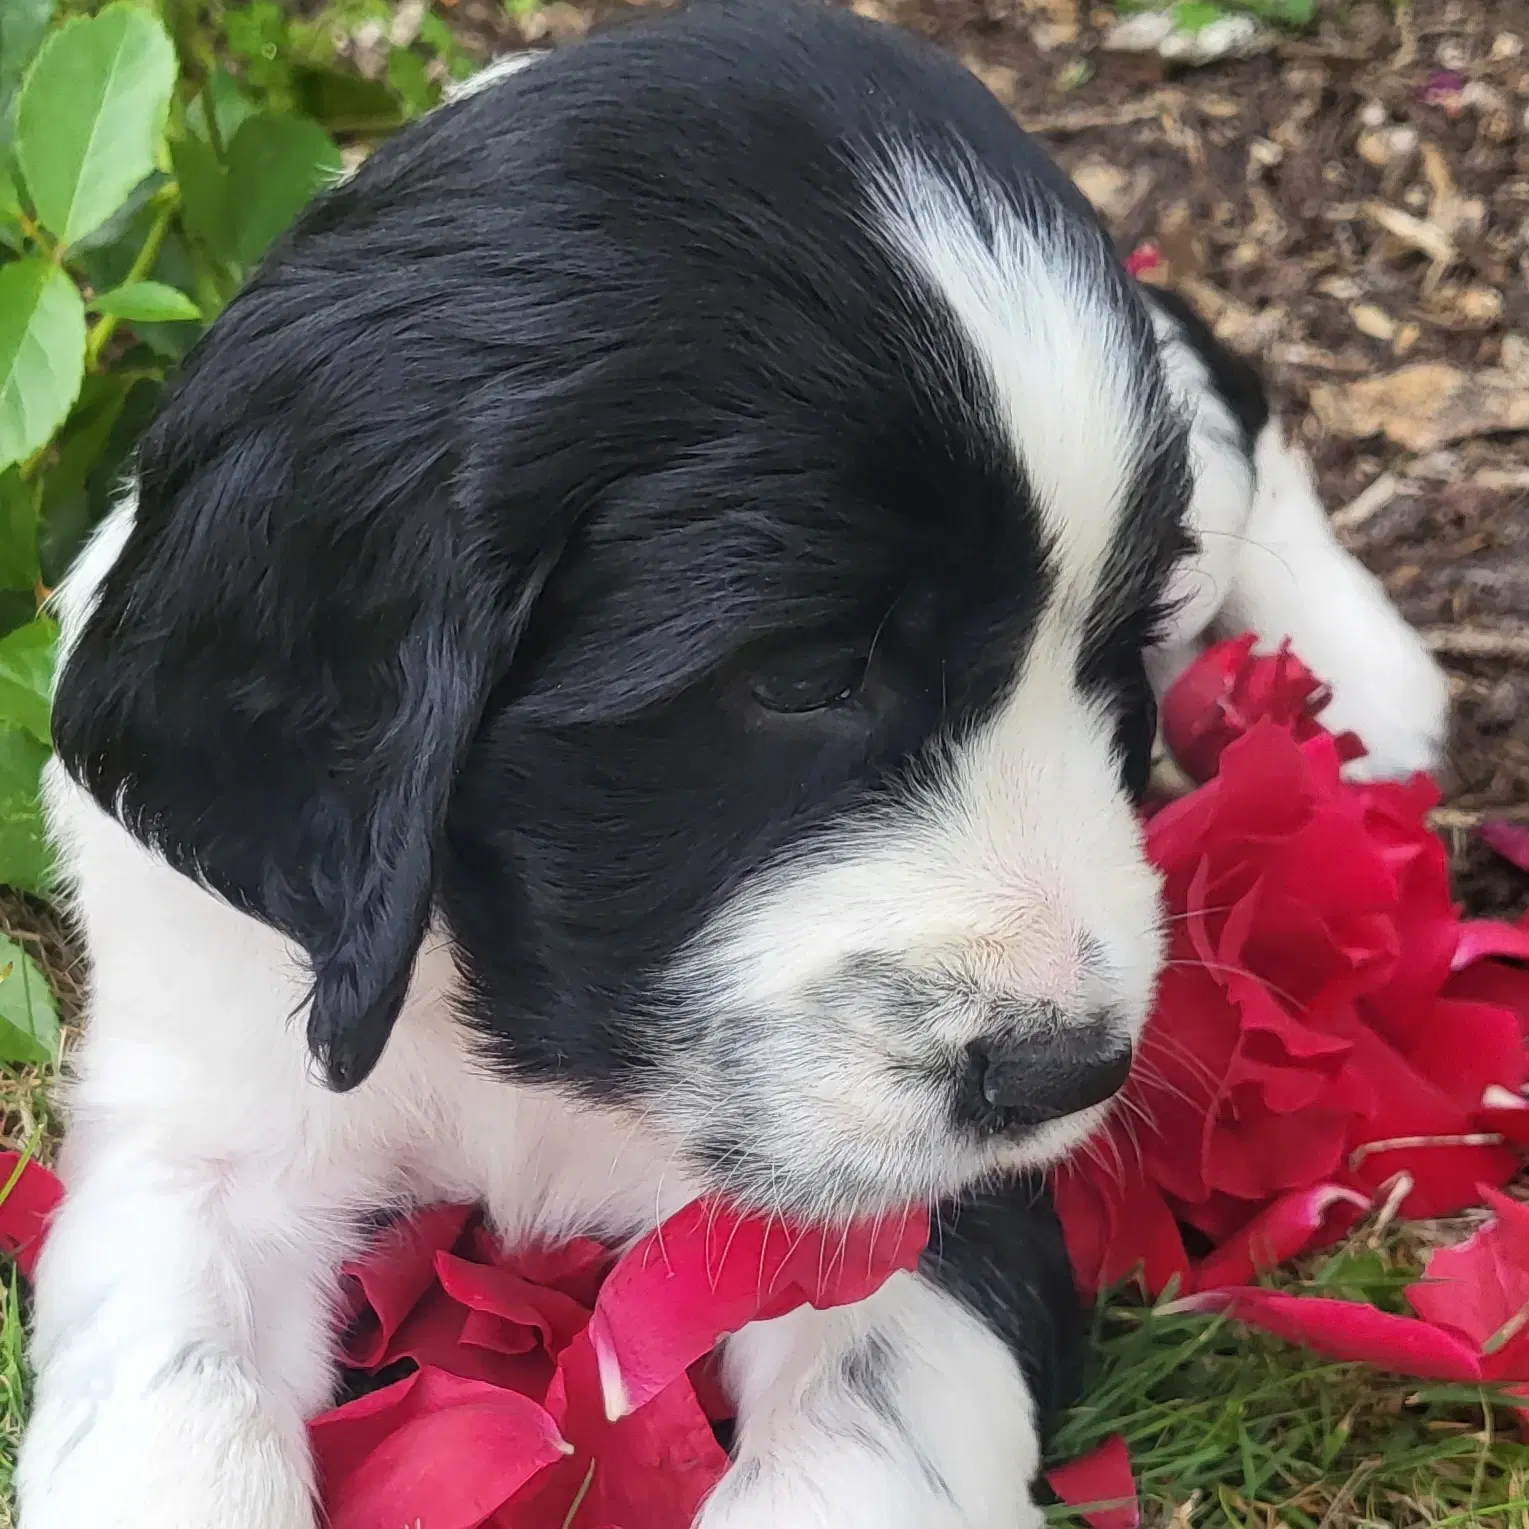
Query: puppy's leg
[184, 1294]
[1269, 563]
[1293, 579]
[152, 1408]
[917, 1409]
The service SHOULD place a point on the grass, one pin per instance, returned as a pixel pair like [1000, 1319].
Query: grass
[1227, 1429]
[14, 1391]
[29, 1121]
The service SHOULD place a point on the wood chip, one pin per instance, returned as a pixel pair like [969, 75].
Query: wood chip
[1115, 193]
[1372, 321]
[1413, 232]
[1472, 642]
[1424, 406]
[1501, 479]
[1366, 505]
[1087, 118]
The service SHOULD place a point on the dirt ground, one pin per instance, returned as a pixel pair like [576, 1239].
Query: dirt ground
[1352, 207]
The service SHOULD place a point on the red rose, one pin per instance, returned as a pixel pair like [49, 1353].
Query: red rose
[1311, 1040]
[1228, 689]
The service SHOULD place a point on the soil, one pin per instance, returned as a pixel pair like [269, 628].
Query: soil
[1351, 207]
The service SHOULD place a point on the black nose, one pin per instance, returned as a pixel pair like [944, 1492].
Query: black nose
[1026, 1081]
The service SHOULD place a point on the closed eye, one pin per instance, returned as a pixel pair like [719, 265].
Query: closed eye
[798, 684]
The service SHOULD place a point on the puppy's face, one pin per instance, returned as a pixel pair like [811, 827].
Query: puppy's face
[814, 796]
[690, 516]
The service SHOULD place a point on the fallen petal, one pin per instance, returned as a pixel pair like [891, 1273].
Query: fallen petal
[431, 1449]
[1349, 1331]
[1483, 938]
[710, 1270]
[33, 1196]
[393, 1276]
[1099, 1485]
[1510, 840]
[1286, 1228]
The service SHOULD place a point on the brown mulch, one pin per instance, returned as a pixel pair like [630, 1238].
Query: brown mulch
[1351, 206]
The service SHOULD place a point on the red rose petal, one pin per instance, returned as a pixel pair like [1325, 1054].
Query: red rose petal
[391, 1278]
[653, 1467]
[1497, 983]
[542, 1313]
[1100, 1486]
[1419, 1129]
[25, 1211]
[1286, 1228]
[1228, 690]
[1346, 1330]
[1480, 1289]
[709, 1271]
[1118, 1228]
[1484, 937]
[1510, 840]
[431, 1449]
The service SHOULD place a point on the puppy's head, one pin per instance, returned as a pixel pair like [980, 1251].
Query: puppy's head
[689, 517]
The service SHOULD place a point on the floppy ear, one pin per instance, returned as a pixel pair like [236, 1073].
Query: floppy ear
[281, 673]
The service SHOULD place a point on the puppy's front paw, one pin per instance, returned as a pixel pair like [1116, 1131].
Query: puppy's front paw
[1389, 690]
[194, 1449]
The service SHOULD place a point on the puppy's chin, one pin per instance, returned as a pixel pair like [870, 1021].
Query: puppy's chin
[826, 1167]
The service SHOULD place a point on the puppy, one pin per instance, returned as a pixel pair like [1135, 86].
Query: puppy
[625, 674]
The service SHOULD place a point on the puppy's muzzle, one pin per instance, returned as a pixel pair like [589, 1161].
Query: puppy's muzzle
[1018, 1082]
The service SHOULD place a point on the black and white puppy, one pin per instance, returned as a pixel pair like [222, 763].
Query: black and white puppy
[626, 674]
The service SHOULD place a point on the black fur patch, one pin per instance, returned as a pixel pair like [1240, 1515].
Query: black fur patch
[1002, 1256]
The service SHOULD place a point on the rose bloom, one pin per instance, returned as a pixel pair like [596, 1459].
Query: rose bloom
[1311, 1041]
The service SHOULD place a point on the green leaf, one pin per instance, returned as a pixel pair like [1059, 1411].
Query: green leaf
[25, 860]
[343, 102]
[260, 36]
[121, 236]
[408, 76]
[28, 1014]
[26, 677]
[275, 164]
[10, 199]
[204, 196]
[1295, 14]
[91, 116]
[148, 302]
[84, 474]
[42, 354]
[18, 531]
[1196, 15]
[22, 24]
[230, 107]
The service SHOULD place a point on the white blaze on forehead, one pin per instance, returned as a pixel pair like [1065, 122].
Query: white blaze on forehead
[1049, 336]
[492, 73]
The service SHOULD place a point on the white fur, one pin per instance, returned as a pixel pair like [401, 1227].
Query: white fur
[1269, 563]
[492, 73]
[1223, 489]
[1294, 580]
[949, 1443]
